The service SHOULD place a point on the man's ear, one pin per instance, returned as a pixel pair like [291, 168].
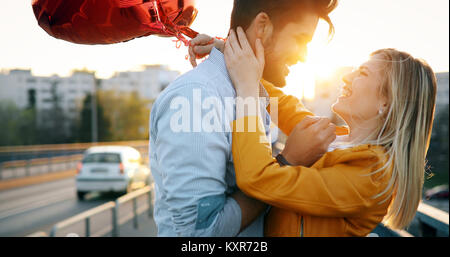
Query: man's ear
[263, 27]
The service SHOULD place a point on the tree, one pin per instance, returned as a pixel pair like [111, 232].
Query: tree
[438, 153]
[128, 114]
[84, 133]
[18, 127]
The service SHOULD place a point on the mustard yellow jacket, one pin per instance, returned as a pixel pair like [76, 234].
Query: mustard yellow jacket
[333, 197]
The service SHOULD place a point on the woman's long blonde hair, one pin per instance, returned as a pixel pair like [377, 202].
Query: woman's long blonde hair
[405, 129]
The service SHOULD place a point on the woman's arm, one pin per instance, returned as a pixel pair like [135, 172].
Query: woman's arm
[289, 111]
[335, 186]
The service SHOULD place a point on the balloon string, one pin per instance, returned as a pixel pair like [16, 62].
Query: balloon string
[178, 43]
[221, 38]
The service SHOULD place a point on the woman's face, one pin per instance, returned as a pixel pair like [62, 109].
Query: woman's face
[361, 98]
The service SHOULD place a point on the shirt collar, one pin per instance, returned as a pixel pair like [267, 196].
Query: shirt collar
[217, 58]
[263, 94]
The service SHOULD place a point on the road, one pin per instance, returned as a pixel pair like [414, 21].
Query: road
[35, 208]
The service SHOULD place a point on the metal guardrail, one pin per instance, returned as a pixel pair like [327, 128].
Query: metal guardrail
[382, 231]
[40, 166]
[86, 216]
[109, 206]
[61, 147]
[433, 222]
[133, 196]
[47, 165]
[38, 234]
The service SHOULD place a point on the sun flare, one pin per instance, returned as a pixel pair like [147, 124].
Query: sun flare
[321, 63]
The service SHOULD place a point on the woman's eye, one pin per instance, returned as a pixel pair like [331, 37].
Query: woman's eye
[363, 73]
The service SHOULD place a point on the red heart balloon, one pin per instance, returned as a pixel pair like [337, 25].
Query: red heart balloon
[114, 21]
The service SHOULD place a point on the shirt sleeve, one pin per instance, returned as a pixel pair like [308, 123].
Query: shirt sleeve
[193, 165]
[341, 188]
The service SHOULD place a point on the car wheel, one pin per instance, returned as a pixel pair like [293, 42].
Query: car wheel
[80, 195]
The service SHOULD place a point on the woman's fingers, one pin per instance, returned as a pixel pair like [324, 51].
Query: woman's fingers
[202, 50]
[192, 57]
[228, 49]
[260, 52]
[202, 39]
[322, 124]
[308, 121]
[242, 39]
[331, 132]
[234, 42]
[199, 47]
[247, 49]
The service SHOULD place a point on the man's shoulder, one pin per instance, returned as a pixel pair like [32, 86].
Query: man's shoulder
[195, 78]
[184, 86]
[203, 77]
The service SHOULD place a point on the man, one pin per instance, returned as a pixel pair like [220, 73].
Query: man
[196, 193]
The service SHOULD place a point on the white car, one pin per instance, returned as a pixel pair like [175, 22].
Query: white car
[111, 168]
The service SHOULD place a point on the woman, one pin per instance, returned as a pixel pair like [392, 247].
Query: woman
[375, 172]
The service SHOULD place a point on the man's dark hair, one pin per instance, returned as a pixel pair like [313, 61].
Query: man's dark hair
[281, 12]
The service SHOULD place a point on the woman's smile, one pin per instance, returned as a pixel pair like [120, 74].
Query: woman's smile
[345, 92]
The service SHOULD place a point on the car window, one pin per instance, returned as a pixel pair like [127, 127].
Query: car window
[102, 158]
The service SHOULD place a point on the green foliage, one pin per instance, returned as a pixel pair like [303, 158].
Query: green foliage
[128, 115]
[84, 129]
[438, 153]
[120, 117]
[17, 126]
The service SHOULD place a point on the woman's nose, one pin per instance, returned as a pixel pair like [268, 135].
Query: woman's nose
[348, 79]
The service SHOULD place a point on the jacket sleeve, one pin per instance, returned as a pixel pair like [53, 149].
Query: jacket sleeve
[341, 188]
[290, 110]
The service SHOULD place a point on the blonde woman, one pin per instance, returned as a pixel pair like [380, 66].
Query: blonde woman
[374, 172]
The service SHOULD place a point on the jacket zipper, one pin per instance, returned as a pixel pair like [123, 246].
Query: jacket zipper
[301, 226]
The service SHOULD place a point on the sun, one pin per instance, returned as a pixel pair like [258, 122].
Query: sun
[321, 63]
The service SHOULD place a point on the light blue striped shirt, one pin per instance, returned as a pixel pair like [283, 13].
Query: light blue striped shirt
[192, 167]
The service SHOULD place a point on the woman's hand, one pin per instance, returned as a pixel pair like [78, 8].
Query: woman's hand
[201, 46]
[309, 141]
[245, 69]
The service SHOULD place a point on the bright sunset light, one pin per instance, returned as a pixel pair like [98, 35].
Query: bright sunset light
[320, 64]
[359, 31]
[110, 131]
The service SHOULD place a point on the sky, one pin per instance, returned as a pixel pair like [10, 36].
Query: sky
[416, 26]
